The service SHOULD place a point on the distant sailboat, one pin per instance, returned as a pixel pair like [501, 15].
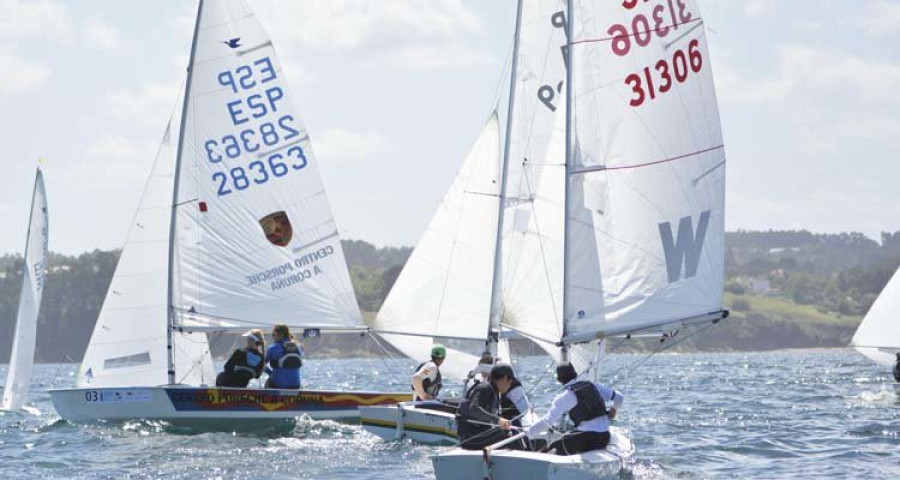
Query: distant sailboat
[21, 361]
[621, 225]
[878, 336]
[234, 231]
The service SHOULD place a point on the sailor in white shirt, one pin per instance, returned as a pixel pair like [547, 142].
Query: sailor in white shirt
[585, 402]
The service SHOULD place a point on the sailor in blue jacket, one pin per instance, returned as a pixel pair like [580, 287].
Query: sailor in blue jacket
[283, 359]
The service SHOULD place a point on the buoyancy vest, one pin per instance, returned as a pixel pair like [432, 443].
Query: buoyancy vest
[431, 387]
[508, 409]
[590, 404]
[291, 357]
[242, 362]
[465, 429]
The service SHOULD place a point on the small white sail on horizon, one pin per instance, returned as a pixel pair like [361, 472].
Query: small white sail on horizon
[34, 268]
[878, 335]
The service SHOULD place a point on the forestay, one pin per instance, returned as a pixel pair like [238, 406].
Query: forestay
[647, 170]
[255, 240]
[878, 336]
[128, 346]
[21, 360]
[444, 289]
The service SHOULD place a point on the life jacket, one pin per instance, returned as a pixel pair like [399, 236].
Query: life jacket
[431, 387]
[291, 357]
[508, 409]
[242, 363]
[590, 404]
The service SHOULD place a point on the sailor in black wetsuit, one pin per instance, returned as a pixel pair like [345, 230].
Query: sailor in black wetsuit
[585, 402]
[478, 420]
[245, 363]
[897, 368]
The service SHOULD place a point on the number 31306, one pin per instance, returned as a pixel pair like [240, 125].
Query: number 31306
[666, 72]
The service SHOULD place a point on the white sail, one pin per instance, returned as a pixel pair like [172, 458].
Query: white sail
[21, 360]
[256, 243]
[878, 336]
[647, 173]
[444, 289]
[128, 346]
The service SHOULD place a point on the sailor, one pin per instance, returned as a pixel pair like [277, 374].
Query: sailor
[897, 368]
[284, 358]
[245, 363]
[478, 419]
[585, 402]
[514, 402]
[480, 373]
[426, 381]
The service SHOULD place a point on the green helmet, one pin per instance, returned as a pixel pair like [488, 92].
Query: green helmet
[438, 351]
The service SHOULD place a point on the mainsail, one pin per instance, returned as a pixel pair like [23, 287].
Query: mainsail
[444, 290]
[21, 361]
[878, 336]
[641, 202]
[255, 242]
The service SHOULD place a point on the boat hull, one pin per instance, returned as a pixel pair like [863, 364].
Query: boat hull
[203, 406]
[408, 420]
[461, 464]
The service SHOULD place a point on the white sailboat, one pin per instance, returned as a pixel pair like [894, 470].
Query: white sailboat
[233, 232]
[445, 291]
[623, 229]
[878, 336]
[21, 360]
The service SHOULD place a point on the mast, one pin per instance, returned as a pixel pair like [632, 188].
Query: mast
[170, 322]
[568, 168]
[496, 285]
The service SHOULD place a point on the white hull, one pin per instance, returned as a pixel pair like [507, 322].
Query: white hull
[206, 406]
[882, 356]
[517, 465]
[406, 420]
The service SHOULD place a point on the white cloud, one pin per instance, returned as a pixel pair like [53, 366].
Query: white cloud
[99, 36]
[879, 18]
[113, 163]
[150, 104]
[449, 56]
[19, 76]
[38, 18]
[804, 72]
[339, 145]
[759, 8]
[349, 24]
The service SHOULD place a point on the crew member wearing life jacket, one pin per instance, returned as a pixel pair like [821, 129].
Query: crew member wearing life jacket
[481, 373]
[245, 363]
[897, 368]
[426, 381]
[514, 403]
[585, 402]
[478, 420]
[284, 359]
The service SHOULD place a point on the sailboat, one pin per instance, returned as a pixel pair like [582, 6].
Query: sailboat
[233, 232]
[21, 360]
[623, 230]
[446, 292]
[878, 336]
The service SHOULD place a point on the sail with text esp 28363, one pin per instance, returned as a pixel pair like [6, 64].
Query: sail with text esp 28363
[21, 359]
[236, 234]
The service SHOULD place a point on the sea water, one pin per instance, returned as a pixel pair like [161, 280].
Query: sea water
[794, 414]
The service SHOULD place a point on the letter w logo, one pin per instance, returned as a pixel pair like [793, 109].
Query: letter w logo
[687, 249]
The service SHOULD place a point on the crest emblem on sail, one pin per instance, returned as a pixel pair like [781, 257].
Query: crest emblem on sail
[277, 228]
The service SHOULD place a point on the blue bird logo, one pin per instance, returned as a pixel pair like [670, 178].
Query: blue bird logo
[234, 42]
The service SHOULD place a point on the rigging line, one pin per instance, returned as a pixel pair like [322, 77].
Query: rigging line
[603, 168]
[496, 97]
[387, 352]
[642, 32]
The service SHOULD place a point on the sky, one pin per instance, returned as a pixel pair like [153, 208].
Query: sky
[394, 93]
